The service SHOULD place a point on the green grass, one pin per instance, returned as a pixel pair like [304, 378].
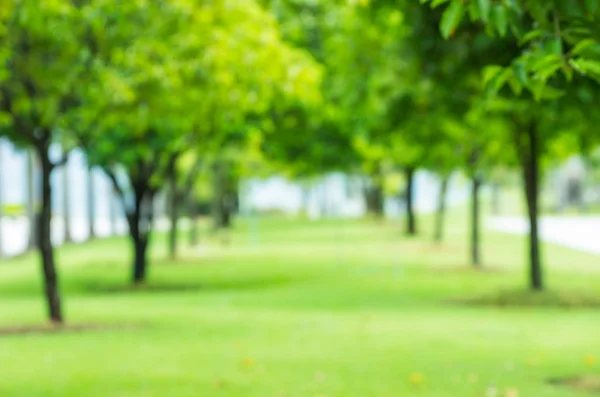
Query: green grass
[304, 309]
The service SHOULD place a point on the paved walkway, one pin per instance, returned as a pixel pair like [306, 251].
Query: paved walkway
[577, 232]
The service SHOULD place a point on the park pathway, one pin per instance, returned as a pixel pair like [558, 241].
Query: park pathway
[577, 232]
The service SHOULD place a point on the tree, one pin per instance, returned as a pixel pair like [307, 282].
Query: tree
[151, 97]
[443, 160]
[553, 40]
[34, 96]
[132, 119]
[480, 137]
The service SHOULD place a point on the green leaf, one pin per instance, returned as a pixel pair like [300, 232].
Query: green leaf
[545, 61]
[515, 85]
[586, 66]
[568, 73]
[474, 11]
[548, 70]
[494, 77]
[499, 19]
[484, 9]
[583, 45]
[514, 5]
[436, 3]
[554, 46]
[550, 93]
[521, 72]
[491, 72]
[532, 35]
[451, 18]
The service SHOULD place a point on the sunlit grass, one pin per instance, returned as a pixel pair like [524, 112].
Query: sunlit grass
[331, 308]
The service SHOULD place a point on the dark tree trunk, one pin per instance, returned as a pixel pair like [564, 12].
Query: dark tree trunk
[225, 213]
[173, 210]
[91, 205]
[441, 211]
[475, 234]
[32, 199]
[374, 199]
[531, 182]
[140, 218]
[411, 222]
[140, 261]
[66, 203]
[373, 191]
[222, 200]
[140, 227]
[44, 219]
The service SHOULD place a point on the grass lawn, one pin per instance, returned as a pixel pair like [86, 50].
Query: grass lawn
[304, 309]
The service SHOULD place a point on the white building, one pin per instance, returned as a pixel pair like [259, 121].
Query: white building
[339, 195]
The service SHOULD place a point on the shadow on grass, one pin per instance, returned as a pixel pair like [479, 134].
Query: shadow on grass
[525, 298]
[585, 383]
[179, 287]
[468, 269]
[60, 329]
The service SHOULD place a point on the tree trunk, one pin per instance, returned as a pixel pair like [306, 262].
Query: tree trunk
[475, 235]
[140, 228]
[91, 205]
[374, 193]
[225, 213]
[441, 211]
[374, 200]
[66, 203]
[531, 182]
[222, 202]
[173, 211]
[140, 261]
[44, 220]
[193, 214]
[31, 199]
[411, 222]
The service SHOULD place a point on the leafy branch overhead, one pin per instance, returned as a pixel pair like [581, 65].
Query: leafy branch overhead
[558, 39]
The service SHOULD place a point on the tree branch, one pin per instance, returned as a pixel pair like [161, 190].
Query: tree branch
[192, 176]
[120, 192]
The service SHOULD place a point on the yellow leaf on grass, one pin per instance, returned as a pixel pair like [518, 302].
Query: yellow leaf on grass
[416, 378]
[248, 362]
[590, 361]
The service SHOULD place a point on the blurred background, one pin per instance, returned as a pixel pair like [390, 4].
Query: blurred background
[295, 198]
